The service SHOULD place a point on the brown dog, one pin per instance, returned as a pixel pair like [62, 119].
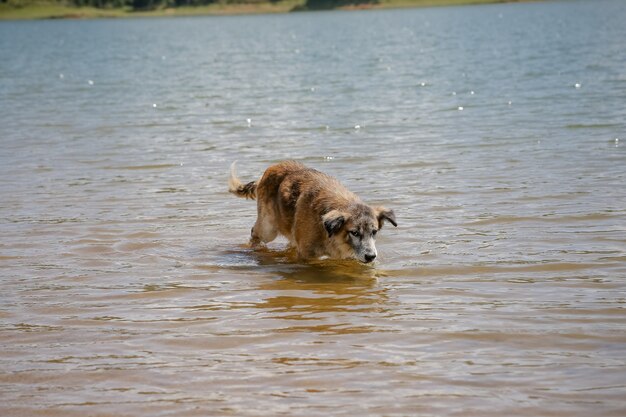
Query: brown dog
[318, 215]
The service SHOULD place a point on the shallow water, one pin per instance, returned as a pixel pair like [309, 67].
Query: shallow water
[494, 132]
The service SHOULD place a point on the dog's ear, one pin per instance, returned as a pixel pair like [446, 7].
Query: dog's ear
[333, 221]
[383, 214]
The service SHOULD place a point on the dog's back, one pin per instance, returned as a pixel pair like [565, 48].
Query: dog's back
[290, 188]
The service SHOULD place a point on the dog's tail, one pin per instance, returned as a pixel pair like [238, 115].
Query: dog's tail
[238, 188]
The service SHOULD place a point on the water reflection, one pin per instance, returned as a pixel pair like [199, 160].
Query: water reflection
[320, 292]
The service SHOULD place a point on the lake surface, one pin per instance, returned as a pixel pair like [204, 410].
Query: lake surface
[496, 133]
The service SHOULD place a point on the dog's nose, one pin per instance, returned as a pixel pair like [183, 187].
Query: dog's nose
[370, 258]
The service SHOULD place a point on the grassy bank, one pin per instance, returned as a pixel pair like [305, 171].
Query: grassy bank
[56, 10]
[60, 11]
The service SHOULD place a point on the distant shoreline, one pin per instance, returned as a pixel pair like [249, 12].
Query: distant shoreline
[58, 11]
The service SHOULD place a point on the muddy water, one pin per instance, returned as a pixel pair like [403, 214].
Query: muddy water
[495, 133]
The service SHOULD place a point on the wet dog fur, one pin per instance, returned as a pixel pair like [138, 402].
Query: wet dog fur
[318, 215]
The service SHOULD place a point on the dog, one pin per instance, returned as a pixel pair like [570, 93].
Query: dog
[318, 215]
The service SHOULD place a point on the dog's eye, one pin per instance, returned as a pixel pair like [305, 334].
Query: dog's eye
[355, 233]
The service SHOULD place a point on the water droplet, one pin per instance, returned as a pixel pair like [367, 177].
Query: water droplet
[329, 158]
[422, 84]
[460, 108]
[357, 126]
[472, 92]
[163, 57]
[249, 121]
[510, 102]
[312, 89]
[90, 82]
[61, 76]
[154, 105]
[454, 93]
[577, 85]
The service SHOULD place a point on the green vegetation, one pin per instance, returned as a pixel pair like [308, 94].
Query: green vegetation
[50, 9]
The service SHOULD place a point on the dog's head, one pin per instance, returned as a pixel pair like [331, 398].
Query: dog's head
[354, 229]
